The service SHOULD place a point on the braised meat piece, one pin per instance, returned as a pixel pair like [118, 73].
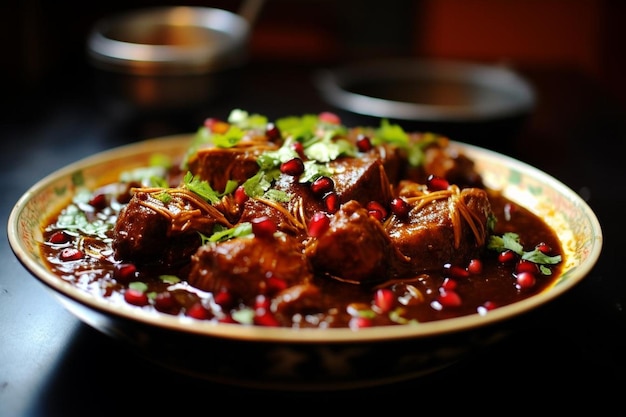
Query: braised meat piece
[355, 248]
[247, 266]
[217, 165]
[161, 227]
[442, 227]
[363, 179]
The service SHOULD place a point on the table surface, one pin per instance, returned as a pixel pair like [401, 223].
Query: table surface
[570, 355]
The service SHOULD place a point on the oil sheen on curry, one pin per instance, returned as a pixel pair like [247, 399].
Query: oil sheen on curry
[303, 222]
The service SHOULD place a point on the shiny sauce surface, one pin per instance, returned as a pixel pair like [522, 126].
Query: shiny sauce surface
[88, 263]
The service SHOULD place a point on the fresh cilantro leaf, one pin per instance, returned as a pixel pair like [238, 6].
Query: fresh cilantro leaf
[201, 188]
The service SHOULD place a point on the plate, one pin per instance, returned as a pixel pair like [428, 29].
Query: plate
[306, 359]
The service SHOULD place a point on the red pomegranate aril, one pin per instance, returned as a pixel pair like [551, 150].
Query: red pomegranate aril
[509, 209]
[449, 299]
[329, 117]
[475, 266]
[124, 273]
[98, 201]
[261, 303]
[136, 297]
[525, 280]
[331, 202]
[266, 319]
[363, 143]
[272, 132]
[544, 248]
[449, 284]
[435, 183]
[216, 125]
[456, 271]
[360, 322]
[526, 266]
[299, 148]
[275, 284]
[293, 167]
[489, 305]
[164, 301]
[263, 227]
[318, 224]
[240, 195]
[59, 237]
[384, 300]
[322, 185]
[71, 254]
[507, 256]
[227, 318]
[223, 298]
[376, 210]
[198, 311]
[400, 207]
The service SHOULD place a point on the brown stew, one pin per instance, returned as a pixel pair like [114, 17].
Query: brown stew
[303, 222]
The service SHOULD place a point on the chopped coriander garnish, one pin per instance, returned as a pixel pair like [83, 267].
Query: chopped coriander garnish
[201, 188]
[510, 241]
[221, 233]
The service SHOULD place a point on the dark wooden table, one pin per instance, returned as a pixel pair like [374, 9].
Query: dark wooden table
[569, 356]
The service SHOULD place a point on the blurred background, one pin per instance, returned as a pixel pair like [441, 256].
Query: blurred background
[42, 39]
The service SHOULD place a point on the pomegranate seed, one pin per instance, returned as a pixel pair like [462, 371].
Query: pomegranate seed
[266, 319]
[223, 298]
[436, 183]
[507, 256]
[164, 301]
[135, 297]
[272, 132]
[263, 227]
[475, 266]
[293, 167]
[489, 305]
[318, 224]
[329, 117]
[275, 284]
[525, 280]
[216, 125]
[70, 254]
[299, 148]
[331, 202]
[544, 248]
[526, 266]
[449, 284]
[261, 303]
[198, 311]
[363, 143]
[456, 271]
[509, 209]
[322, 185]
[376, 210]
[227, 318]
[384, 299]
[449, 299]
[98, 201]
[400, 207]
[360, 322]
[240, 195]
[59, 237]
[124, 273]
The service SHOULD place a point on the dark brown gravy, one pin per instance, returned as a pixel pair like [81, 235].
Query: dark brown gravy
[495, 286]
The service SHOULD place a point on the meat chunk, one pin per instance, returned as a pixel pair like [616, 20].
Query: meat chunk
[362, 179]
[247, 266]
[217, 165]
[355, 248]
[158, 227]
[448, 226]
